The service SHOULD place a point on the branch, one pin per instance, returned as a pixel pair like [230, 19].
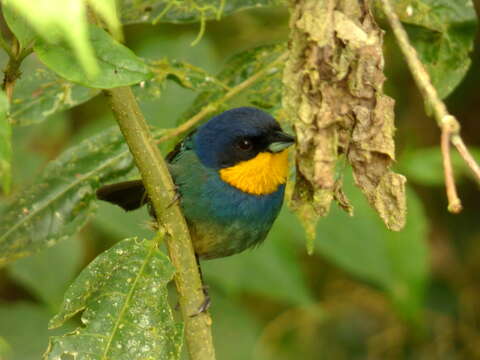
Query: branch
[187, 125]
[160, 188]
[454, 203]
[448, 124]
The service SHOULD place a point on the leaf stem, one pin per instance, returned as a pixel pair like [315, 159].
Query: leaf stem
[12, 71]
[448, 124]
[5, 46]
[208, 109]
[160, 188]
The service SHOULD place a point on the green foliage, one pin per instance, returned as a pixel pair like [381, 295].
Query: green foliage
[60, 202]
[183, 73]
[18, 25]
[239, 68]
[179, 11]
[5, 144]
[118, 65]
[60, 20]
[126, 315]
[443, 32]
[122, 318]
[424, 166]
[394, 261]
[40, 93]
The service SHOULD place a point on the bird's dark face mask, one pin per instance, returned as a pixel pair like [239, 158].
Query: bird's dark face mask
[250, 155]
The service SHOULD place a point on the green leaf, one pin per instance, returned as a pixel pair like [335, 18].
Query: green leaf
[394, 261]
[118, 65]
[40, 93]
[275, 259]
[239, 68]
[107, 9]
[126, 315]
[183, 73]
[153, 11]
[60, 20]
[425, 166]
[59, 203]
[443, 32]
[19, 26]
[5, 145]
[37, 274]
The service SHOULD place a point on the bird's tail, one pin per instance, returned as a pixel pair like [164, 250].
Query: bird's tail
[129, 195]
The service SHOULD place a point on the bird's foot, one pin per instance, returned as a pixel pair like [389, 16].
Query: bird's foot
[206, 303]
[176, 198]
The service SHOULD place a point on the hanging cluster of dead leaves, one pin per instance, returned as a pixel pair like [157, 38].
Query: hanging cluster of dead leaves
[334, 96]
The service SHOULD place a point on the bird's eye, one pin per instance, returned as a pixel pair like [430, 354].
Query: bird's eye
[245, 144]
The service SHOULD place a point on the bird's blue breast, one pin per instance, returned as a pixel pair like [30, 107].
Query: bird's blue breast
[228, 204]
[223, 220]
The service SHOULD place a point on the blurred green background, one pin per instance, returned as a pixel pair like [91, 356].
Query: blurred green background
[366, 293]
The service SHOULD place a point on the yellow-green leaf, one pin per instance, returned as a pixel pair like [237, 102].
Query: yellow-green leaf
[118, 65]
[61, 23]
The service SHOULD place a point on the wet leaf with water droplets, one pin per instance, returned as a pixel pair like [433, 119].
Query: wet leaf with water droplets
[126, 315]
[443, 32]
[60, 201]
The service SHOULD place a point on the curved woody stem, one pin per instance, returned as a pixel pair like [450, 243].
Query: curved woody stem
[160, 188]
[448, 124]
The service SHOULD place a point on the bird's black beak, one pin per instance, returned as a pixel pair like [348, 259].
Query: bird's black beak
[280, 141]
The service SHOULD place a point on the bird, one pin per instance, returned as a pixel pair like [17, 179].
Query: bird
[230, 175]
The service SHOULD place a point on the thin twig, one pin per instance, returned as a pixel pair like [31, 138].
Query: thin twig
[466, 155]
[448, 123]
[454, 204]
[187, 125]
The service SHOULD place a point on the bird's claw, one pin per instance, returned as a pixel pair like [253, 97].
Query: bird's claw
[175, 199]
[206, 303]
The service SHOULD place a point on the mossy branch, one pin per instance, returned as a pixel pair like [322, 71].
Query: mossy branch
[448, 124]
[161, 190]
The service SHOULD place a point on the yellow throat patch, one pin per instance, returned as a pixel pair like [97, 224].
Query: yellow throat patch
[258, 176]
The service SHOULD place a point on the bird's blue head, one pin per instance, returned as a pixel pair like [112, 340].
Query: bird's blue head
[247, 147]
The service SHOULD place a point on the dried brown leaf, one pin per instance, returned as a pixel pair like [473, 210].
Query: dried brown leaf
[334, 98]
